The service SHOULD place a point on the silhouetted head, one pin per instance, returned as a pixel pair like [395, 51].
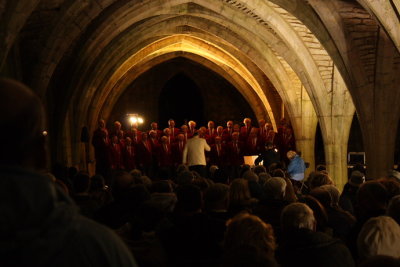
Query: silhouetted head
[297, 216]
[216, 197]
[245, 229]
[22, 124]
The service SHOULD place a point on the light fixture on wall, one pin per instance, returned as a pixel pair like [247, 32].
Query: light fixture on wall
[134, 119]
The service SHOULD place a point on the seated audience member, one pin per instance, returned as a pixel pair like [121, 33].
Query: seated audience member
[255, 188]
[240, 198]
[118, 212]
[259, 169]
[270, 208]
[339, 220]
[211, 172]
[122, 182]
[379, 236]
[162, 194]
[290, 195]
[320, 214]
[181, 168]
[202, 183]
[263, 177]
[378, 261]
[216, 201]
[40, 225]
[301, 245]
[392, 186]
[372, 202]
[99, 191]
[348, 198]
[136, 175]
[275, 188]
[184, 177]
[194, 239]
[319, 179]
[141, 235]
[372, 199]
[87, 205]
[278, 173]
[247, 233]
[394, 209]
[221, 176]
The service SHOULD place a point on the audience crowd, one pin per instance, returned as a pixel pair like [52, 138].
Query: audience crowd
[261, 218]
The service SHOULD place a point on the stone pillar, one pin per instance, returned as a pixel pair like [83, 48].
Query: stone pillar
[380, 109]
[379, 147]
[336, 129]
[305, 126]
[336, 162]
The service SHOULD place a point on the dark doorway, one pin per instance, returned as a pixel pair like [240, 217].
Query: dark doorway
[355, 143]
[319, 147]
[181, 100]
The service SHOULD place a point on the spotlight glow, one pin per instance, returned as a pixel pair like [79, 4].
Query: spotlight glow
[135, 119]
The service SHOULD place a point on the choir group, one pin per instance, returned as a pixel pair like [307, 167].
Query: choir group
[156, 149]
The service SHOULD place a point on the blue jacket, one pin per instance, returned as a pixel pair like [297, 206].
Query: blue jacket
[297, 168]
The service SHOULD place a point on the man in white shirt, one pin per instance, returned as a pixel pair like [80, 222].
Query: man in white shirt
[194, 154]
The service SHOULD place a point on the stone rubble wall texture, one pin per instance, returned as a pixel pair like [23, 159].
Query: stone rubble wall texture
[317, 57]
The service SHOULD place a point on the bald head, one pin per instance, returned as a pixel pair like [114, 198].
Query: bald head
[21, 122]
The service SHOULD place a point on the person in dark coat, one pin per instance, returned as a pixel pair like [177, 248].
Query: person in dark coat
[268, 156]
[40, 225]
[301, 245]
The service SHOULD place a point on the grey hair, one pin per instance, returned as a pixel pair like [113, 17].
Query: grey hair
[297, 216]
[275, 187]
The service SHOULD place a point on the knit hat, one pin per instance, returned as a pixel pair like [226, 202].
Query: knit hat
[357, 178]
[379, 236]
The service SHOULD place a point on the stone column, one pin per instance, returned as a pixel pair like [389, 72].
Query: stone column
[305, 126]
[336, 129]
[380, 109]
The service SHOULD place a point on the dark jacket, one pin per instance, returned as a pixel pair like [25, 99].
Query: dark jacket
[268, 157]
[40, 226]
[303, 247]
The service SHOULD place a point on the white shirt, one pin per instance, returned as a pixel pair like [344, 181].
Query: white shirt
[193, 153]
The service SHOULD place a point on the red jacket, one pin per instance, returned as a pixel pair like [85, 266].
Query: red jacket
[235, 153]
[144, 154]
[164, 155]
[129, 157]
[218, 156]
